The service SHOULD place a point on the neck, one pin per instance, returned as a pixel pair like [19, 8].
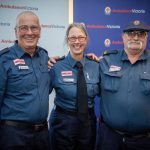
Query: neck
[77, 57]
[30, 52]
[133, 57]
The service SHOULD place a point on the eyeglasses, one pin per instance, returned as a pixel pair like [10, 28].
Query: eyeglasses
[74, 38]
[25, 28]
[140, 34]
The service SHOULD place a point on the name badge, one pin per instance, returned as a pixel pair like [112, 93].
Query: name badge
[23, 67]
[113, 68]
[68, 79]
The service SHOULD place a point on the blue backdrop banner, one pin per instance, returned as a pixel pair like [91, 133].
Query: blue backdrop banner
[105, 20]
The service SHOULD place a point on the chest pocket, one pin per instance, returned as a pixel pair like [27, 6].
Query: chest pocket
[69, 86]
[93, 87]
[44, 68]
[20, 79]
[145, 83]
[45, 73]
[66, 87]
[112, 81]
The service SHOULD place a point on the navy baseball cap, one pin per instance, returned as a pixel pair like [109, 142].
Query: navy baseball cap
[137, 25]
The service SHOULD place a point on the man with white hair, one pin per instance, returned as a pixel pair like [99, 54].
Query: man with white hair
[24, 89]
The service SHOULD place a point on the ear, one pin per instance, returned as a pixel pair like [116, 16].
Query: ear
[16, 33]
[123, 35]
[40, 32]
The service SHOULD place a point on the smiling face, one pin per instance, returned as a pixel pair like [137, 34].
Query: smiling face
[77, 41]
[28, 31]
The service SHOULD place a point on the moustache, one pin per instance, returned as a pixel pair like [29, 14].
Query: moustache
[135, 42]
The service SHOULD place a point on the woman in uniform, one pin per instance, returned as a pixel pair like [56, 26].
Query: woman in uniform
[76, 83]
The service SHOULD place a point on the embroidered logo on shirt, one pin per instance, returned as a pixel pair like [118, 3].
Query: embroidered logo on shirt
[113, 68]
[66, 73]
[19, 61]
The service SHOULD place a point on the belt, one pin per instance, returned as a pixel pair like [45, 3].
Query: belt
[140, 135]
[71, 112]
[35, 127]
[129, 135]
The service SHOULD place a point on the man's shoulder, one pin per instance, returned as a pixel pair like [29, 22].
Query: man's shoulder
[111, 57]
[42, 49]
[4, 51]
[110, 52]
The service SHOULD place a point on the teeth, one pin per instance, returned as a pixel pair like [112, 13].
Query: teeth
[77, 46]
[29, 39]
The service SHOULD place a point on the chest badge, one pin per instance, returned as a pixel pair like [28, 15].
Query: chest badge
[114, 68]
[66, 73]
[19, 61]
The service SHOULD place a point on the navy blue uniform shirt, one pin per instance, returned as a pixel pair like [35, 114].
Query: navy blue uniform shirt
[64, 74]
[125, 91]
[24, 85]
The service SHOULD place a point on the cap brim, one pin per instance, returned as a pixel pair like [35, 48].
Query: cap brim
[137, 29]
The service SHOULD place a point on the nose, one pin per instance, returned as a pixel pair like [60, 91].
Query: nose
[77, 40]
[29, 31]
[136, 36]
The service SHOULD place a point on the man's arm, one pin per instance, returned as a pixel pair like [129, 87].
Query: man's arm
[52, 61]
[93, 56]
[3, 81]
[52, 80]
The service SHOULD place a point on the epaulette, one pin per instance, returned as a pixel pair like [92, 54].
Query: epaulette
[41, 48]
[61, 58]
[3, 51]
[90, 58]
[110, 52]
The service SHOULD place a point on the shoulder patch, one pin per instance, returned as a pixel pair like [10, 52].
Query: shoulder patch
[92, 59]
[110, 52]
[61, 58]
[3, 51]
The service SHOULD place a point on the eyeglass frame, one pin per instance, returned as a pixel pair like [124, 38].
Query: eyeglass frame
[25, 28]
[74, 38]
[140, 34]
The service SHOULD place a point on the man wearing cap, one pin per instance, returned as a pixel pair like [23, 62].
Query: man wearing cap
[125, 92]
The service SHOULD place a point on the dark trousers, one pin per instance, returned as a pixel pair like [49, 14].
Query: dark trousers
[111, 140]
[68, 133]
[14, 138]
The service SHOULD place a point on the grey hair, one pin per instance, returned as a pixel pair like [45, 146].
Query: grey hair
[77, 25]
[24, 13]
